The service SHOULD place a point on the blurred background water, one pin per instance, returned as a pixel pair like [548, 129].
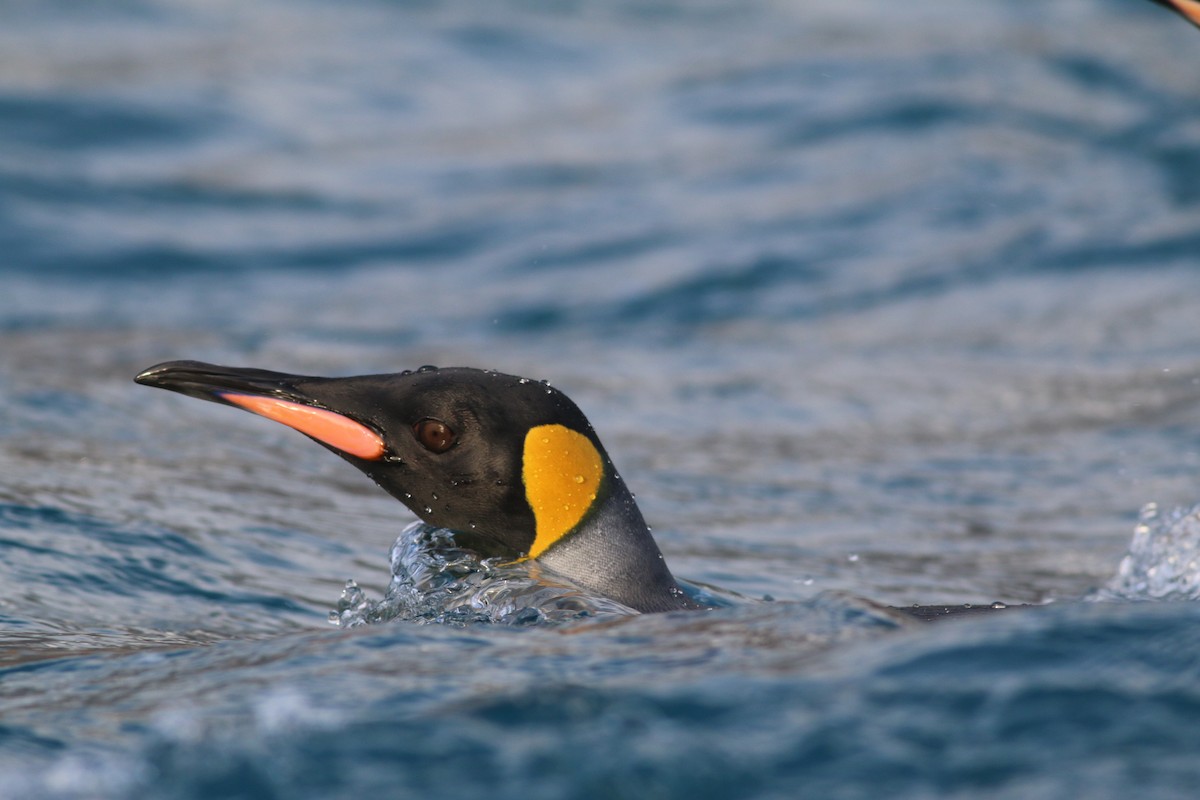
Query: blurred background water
[872, 303]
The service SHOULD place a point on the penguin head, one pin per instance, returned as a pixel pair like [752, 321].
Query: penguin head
[510, 463]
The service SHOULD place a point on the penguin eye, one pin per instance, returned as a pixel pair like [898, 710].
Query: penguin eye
[434, 435]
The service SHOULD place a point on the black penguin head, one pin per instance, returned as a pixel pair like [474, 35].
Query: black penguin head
[511, 463]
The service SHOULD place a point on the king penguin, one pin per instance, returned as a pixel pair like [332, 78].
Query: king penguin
[1188, 9]
[511, 465]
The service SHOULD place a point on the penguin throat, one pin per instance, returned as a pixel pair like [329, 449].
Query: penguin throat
[562, 471]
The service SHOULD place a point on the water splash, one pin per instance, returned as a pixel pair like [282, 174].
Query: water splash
[1163, 562]
[435, 581]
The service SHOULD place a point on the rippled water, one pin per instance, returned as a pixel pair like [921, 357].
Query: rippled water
[873, 304]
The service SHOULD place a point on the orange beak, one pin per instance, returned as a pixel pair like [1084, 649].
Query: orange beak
[327, 427]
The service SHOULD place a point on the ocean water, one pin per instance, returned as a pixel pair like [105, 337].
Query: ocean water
[872, 303]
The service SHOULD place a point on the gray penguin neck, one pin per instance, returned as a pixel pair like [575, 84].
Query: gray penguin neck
[613, 554]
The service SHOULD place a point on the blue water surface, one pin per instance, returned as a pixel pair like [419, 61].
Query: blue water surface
[873, 304]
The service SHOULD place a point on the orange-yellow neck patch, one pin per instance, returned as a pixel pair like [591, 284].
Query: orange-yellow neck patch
[562, 472]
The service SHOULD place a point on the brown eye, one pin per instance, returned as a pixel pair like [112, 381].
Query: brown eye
[435, 435]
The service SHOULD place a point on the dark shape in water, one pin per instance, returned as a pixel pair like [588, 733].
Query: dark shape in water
[511, 465]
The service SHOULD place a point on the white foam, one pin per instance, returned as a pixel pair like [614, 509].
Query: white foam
[434, 581]
[1163, 562]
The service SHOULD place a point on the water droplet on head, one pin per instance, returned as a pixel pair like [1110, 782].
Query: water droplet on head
[427, 368]
[999, 605]
[435, 497]
[522, 381]
[428, 510]
[579, 479]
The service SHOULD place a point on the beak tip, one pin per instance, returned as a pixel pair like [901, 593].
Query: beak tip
[160, 375]
[149, 377]
[145, 378]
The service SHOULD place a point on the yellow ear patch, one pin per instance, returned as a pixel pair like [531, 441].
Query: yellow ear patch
[562, 471]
